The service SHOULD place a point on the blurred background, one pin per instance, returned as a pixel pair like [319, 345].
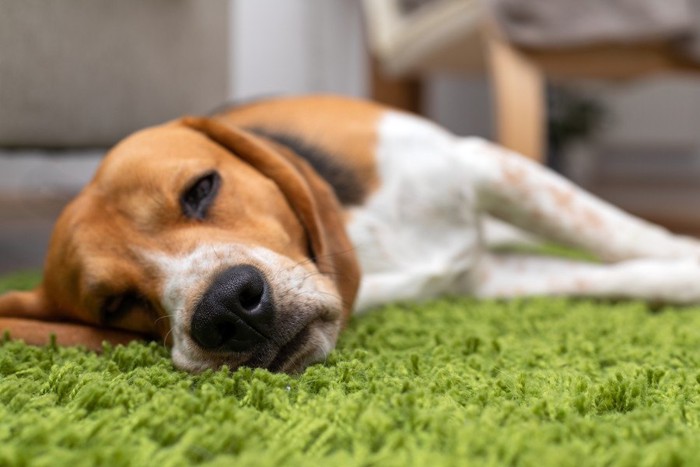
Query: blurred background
[604, 91]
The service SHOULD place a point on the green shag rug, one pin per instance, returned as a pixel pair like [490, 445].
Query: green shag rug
[452, 382]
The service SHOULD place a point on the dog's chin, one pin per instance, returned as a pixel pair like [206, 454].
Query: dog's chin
[311, 344]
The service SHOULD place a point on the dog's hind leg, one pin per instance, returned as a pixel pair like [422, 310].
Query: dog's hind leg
[651, 279]
[502, 235]
[529, 196]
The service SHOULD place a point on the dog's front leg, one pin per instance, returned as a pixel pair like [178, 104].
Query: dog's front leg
[531, 197]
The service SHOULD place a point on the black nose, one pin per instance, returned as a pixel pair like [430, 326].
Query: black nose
[235, 313]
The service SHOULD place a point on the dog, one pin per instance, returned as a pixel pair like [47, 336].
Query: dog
[248, 238]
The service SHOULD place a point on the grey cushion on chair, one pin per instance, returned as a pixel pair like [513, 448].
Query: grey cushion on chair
[570, 23]
[88, 72]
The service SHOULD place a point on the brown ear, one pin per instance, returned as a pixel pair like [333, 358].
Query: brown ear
[28, 316]
[309, 195]
[29, 304]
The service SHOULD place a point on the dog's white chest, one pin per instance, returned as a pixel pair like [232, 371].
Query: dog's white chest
[418, 236]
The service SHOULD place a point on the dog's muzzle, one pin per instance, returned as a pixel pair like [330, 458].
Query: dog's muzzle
[236, 313]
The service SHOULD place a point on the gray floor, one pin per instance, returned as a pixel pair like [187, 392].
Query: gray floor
[34, 187]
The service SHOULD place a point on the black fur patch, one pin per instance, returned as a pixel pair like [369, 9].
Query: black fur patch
[345, 182]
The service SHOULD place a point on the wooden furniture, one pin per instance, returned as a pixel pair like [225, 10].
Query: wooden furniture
[455, 35]
[519, 77]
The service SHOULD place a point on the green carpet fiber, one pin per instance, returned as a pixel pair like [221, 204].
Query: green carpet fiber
[451, 382]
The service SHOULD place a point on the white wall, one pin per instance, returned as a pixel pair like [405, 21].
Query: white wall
[663, 111]
[306, 46]
[296, 47]
[461, 104]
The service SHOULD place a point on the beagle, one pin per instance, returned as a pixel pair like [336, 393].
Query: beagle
[248, 238]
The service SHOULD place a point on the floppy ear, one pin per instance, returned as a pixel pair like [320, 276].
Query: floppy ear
[28, 316]
[313, 201]
[29, 304]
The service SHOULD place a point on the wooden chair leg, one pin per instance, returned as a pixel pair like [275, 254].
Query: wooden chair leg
[519, 99]
[402, 93]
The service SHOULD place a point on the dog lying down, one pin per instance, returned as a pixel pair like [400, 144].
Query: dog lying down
[249, 238]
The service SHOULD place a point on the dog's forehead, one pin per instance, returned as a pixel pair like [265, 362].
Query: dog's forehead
[176, 140]
[143, 177]
[165, 149]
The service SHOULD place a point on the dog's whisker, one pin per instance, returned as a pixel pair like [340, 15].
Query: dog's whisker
[165, 337]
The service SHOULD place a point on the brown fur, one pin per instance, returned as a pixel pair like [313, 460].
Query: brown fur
[271, 198]
[66, 334]
[345, 128]
[310, 197]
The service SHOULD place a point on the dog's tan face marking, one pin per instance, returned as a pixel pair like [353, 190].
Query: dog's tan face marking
[130, 253]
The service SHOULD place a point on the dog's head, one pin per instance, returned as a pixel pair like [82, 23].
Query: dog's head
[230, 248]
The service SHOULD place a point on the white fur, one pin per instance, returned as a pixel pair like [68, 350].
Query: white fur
[419, 235]
[297, 288]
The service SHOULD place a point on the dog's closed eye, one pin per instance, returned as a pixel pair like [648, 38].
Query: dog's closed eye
[116, 306]
[198, 197]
